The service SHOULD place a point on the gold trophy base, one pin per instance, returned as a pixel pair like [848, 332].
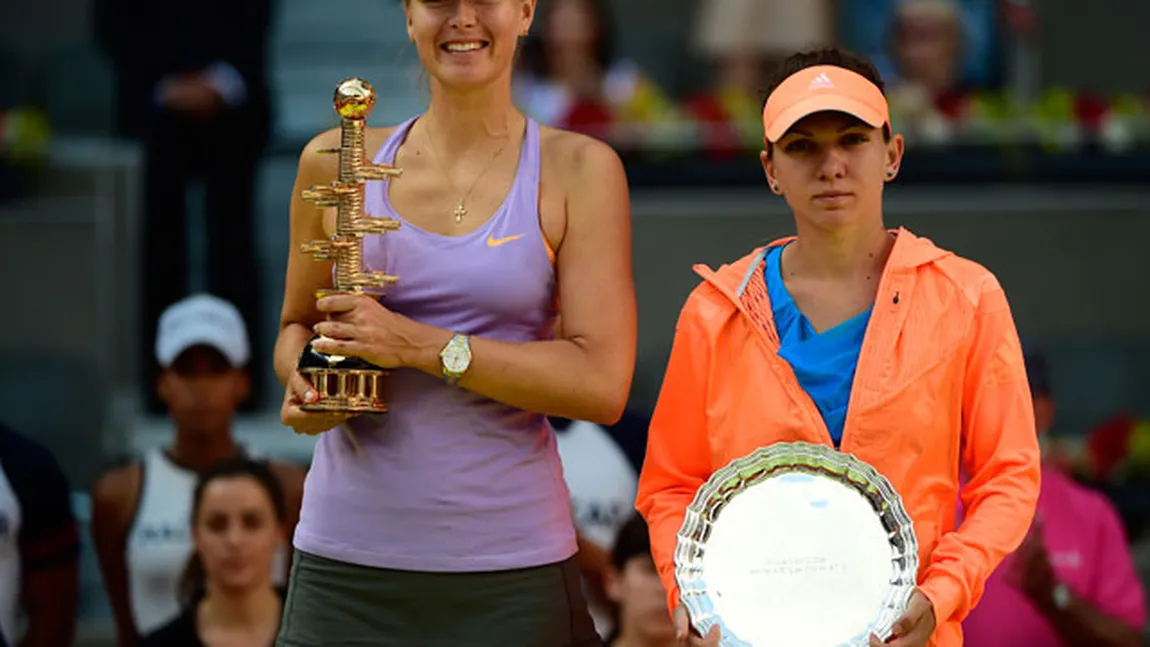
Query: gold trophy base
[346, 391]
[343, 384]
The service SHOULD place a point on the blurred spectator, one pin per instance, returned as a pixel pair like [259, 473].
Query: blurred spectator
[868, 26]
[238, 523]
[926, 94]
[744, 39]
[39, 546]
[193, 86]
[633, 585]
[603, 485]
[1072, 582]
[571, 78]
[141, 510]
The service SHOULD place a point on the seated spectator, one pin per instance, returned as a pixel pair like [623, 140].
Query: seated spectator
[140, 510]
[867, 26]
[238, 523]
[634, 586]
[928, 41]
[39, 547]
[744, 39]
[570, 77]
[1072, 582]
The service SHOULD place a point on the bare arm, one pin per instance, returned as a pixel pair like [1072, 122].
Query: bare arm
[583, 375]
[1112, 611]
[113, 500]
[1080, 624]
[304, 274]
[586, 373]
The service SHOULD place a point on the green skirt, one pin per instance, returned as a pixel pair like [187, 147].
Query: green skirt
[332, 603]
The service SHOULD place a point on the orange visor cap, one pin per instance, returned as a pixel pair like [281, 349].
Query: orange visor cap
[819, 89]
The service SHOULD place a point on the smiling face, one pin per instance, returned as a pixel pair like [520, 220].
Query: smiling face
[468, 43]
[831, 168]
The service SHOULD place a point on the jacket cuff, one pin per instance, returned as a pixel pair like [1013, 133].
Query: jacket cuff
[672, 598]
[945, 592]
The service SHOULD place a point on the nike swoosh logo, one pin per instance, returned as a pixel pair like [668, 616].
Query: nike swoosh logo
[496, 242]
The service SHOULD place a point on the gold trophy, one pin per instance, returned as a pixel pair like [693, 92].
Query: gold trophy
[348, 384]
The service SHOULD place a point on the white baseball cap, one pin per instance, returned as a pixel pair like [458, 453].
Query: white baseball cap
[202, 320]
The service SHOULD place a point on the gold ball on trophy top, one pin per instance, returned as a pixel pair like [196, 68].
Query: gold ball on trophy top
[354, 99]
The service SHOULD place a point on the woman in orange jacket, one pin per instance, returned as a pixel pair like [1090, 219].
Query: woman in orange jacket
[851, 335]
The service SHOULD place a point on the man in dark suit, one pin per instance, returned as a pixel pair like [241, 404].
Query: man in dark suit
[193, 88]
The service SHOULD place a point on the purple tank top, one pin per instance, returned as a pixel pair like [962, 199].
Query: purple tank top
[449, 481]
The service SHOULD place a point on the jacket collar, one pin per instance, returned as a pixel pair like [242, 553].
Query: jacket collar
[731, 279]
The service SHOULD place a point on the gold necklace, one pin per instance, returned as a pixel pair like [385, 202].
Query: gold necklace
[460, 211]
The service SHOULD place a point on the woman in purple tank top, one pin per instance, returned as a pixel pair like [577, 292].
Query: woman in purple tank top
[446, 521]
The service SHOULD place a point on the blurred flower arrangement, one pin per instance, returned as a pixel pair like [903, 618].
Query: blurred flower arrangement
[1061, 120]
[721, 124]
[24, 136]
[1115, 452]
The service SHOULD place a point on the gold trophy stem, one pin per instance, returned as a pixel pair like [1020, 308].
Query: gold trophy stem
[350, 263]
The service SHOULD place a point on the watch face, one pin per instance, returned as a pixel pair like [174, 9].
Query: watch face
[1061, 596]
[455, 358]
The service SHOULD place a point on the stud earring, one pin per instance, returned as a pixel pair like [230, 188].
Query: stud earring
[890, 175]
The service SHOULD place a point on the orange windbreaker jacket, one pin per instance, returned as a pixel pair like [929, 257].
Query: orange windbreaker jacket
[940, 385]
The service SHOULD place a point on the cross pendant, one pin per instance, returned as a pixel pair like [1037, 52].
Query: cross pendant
[460, 212]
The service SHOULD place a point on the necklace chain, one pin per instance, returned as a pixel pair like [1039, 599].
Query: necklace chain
[460, 211]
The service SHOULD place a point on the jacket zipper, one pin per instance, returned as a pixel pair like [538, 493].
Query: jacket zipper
[878, 322]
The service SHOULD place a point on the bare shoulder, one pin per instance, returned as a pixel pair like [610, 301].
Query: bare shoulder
[315, 161]
[116, 490]
[579, 159]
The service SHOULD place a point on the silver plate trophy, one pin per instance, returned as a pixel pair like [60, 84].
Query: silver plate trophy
[796, 545]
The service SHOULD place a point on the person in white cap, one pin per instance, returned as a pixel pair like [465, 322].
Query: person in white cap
[141, 510]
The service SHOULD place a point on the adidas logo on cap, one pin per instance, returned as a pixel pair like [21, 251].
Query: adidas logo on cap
[821, 82]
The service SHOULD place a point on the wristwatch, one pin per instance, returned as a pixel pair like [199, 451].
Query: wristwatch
[1060, 595]
[455, 358]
